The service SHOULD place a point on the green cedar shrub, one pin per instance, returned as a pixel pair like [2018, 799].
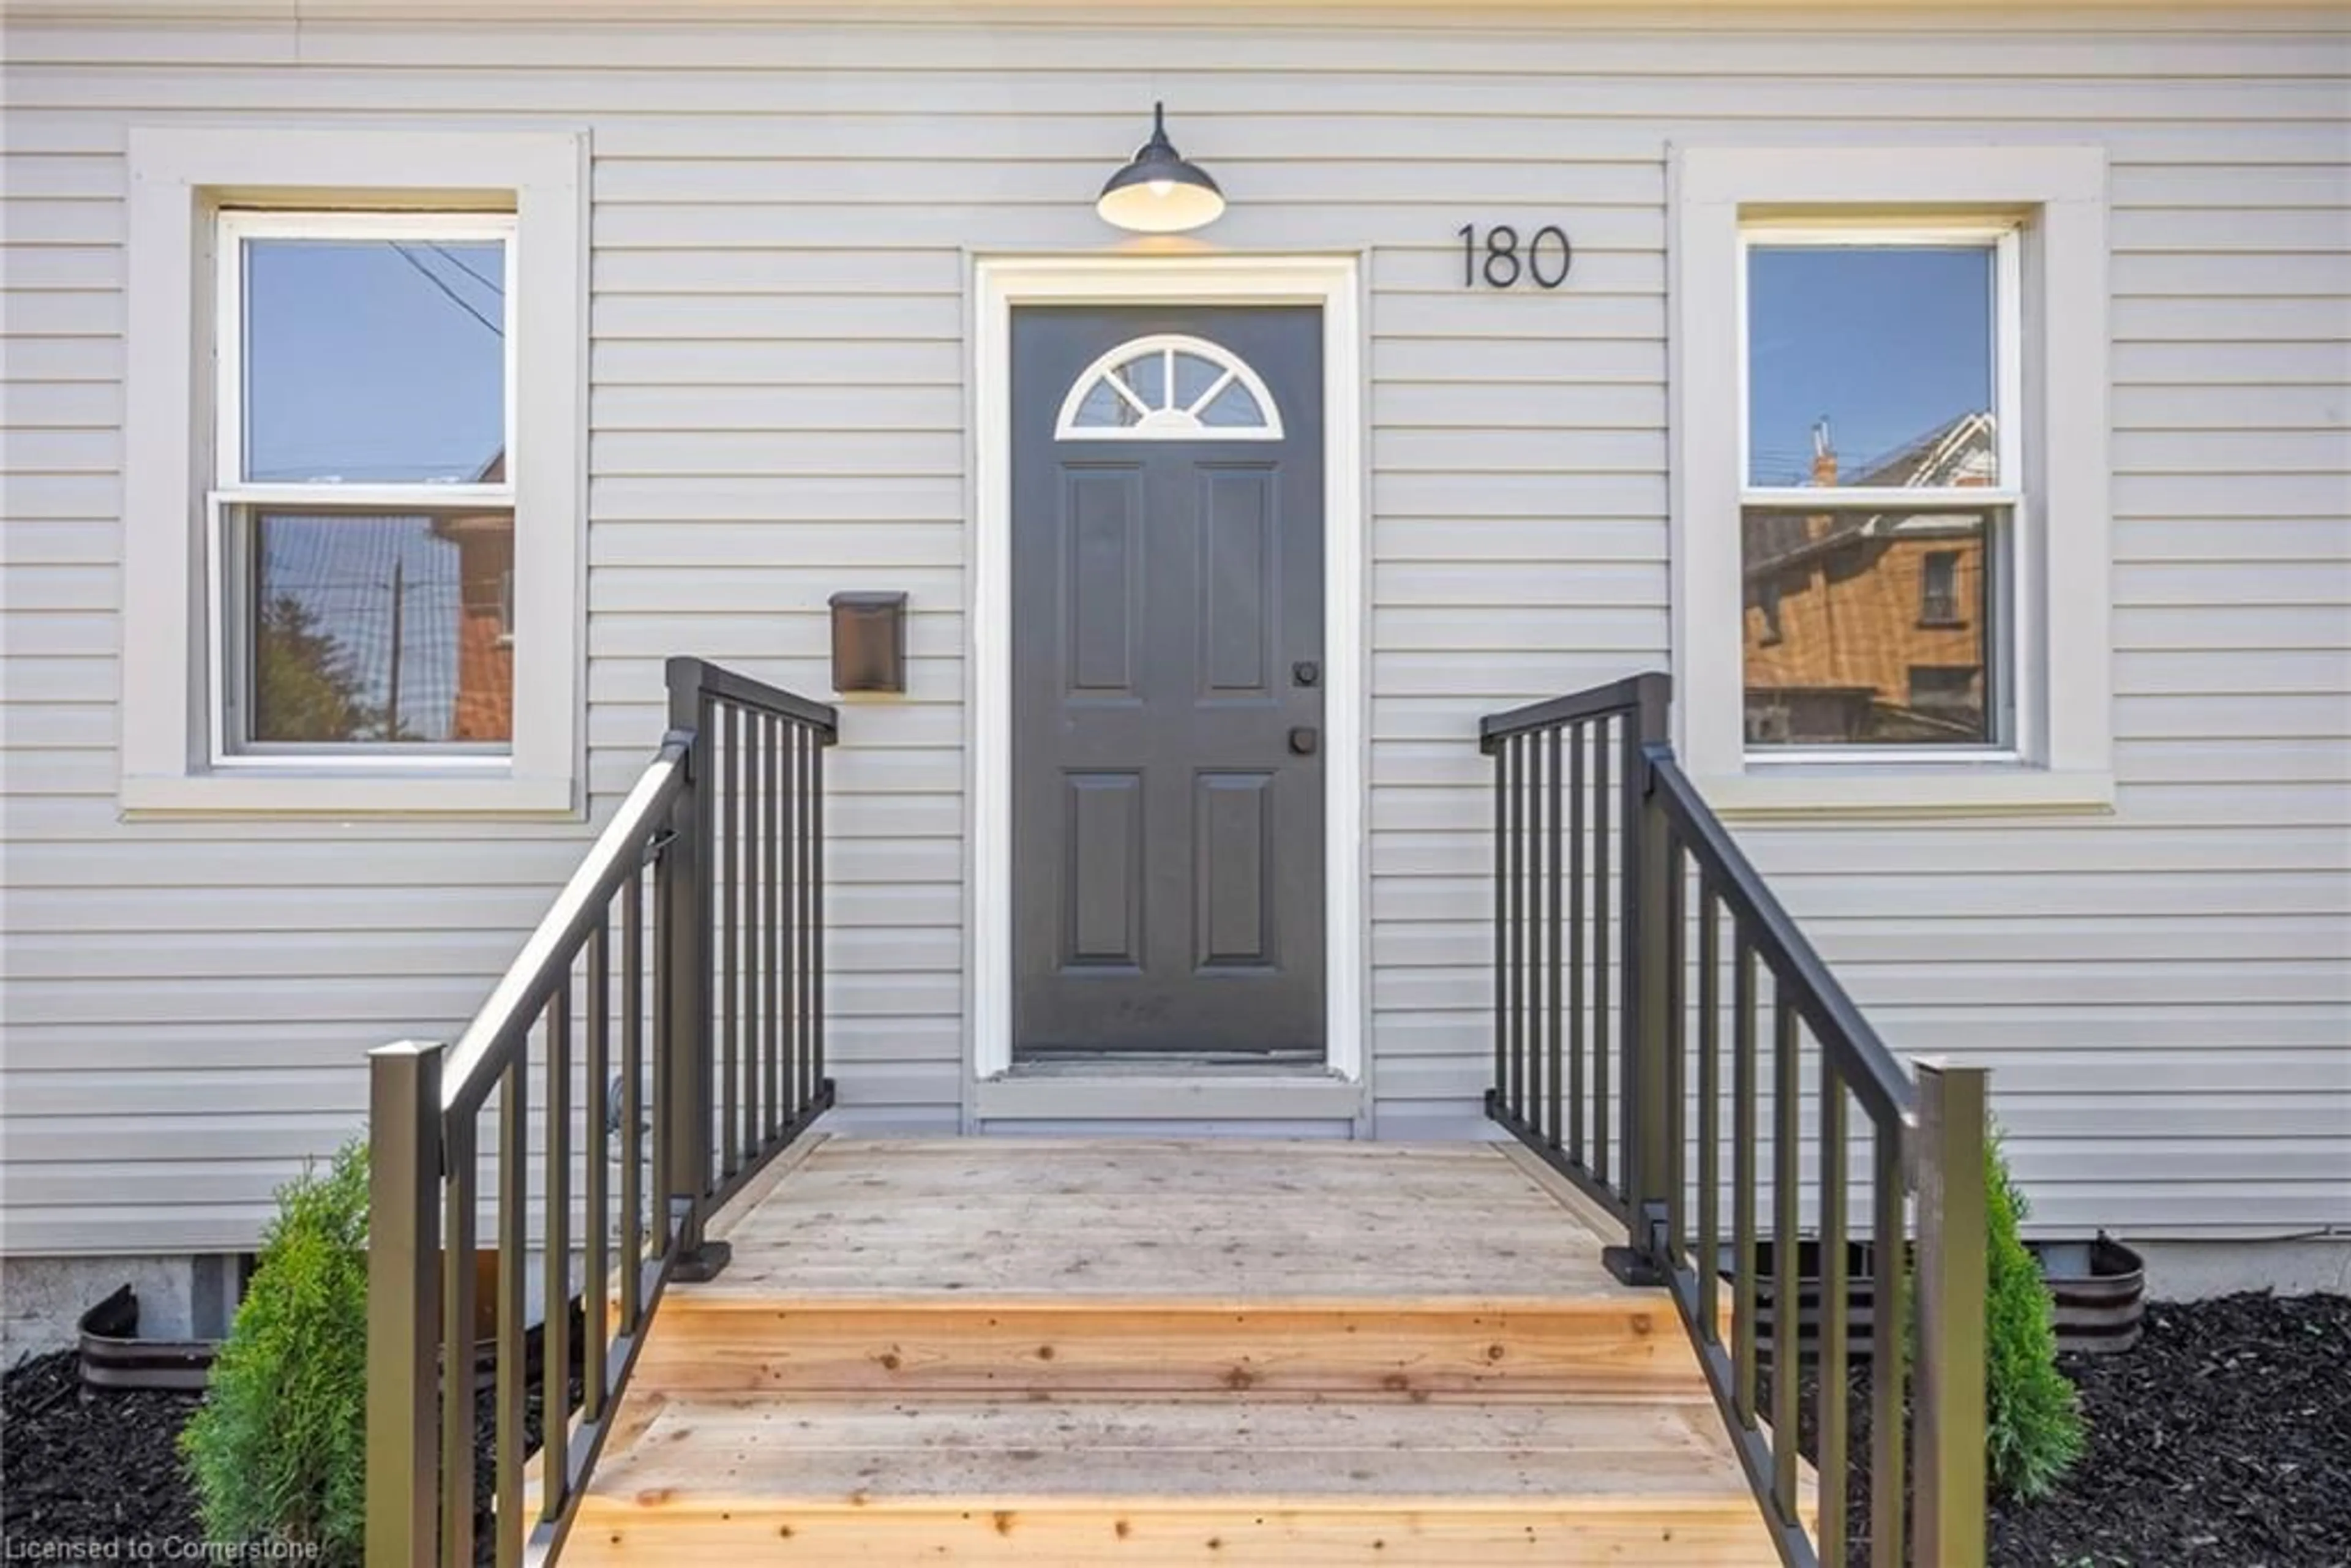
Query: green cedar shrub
[278, 1451]
[2032, 1414]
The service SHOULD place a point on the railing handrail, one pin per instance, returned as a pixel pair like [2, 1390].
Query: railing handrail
[1838, 1025]
[489, 1043]
[685, 671]
[1617, 696]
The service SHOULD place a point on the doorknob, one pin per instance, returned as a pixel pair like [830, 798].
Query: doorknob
[1304, 739]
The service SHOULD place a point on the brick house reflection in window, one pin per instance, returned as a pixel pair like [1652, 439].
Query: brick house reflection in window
[485, 564]
[1843, 605]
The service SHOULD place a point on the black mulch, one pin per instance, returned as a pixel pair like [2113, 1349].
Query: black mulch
[2221, 1441]
[95, 1466]
[100, 1468]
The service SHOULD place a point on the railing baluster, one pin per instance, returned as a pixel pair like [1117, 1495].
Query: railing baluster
[1531, 1087]
[1743, 1172]
[816, 915]
[1502, 923]
[1787, 1173]
[461, 1192]
[779, 1102]
[1889, 1332]
[555, 1385]
[1553, 970]
[513, 1258]
[1709, 1094]
[1673, 1031]
[1640, 866]
[730, 790]
[814, 883]
[795, 866]
[1514, 1093]
[632, 1105]
[1830, 1462]
[595, 1288]
[1578, 749]
[1603, 1047]
[755, 901]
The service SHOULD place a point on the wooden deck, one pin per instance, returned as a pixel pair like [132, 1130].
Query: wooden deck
[1158, 1353]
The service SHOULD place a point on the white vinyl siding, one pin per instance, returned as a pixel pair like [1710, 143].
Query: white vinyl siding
[782, 221]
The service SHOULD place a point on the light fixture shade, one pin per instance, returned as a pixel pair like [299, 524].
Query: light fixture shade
[1159, 192]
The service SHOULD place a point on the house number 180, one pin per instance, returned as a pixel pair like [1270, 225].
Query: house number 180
[1501, 263]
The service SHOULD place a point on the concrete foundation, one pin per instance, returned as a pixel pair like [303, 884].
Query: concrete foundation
[41, 1299]
[2194, 1271]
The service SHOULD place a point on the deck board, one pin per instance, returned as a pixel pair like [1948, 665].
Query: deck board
[1029, 1453]
[1249, 1220]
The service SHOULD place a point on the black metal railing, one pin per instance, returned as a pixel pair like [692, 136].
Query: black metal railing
[1632, 939]
[699, 1052]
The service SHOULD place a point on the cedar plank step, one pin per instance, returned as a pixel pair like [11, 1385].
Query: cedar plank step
[1606, 1347]
[738, 1479]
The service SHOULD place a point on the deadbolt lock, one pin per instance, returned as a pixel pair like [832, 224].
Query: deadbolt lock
[1306, 672]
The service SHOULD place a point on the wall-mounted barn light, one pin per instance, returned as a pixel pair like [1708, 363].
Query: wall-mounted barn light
[869, 641]
[1159, 192]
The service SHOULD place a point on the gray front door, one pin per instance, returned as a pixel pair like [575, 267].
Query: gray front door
[1168, 854]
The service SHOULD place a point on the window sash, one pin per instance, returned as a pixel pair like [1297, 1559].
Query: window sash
[229, 564]
[2005, 692]
[2008, 334]
[233, 228]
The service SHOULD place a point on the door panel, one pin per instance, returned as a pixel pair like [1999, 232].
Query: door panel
[1233, 855]
[1101, 556]
[1104, 863]
[1240, 591]
[1168, 640]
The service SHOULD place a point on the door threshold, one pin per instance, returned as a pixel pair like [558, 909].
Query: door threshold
[1209, 1087]
[1172, 1064]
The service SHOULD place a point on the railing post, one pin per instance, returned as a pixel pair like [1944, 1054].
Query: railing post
[1948, 1172]
[1646, 977]
[682, 1035]
[403, 1325]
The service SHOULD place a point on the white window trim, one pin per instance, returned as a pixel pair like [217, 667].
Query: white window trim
[2060, 596]
[181, 177]
[1185, 428]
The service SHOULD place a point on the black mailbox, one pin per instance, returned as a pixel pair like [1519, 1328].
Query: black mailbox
[869, 641]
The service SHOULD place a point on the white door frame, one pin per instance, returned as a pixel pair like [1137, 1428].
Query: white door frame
[1331, 282]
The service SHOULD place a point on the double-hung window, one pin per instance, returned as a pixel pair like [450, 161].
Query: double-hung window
[1891, 551]
[362, 523]
[1881, 483]
[355, 474]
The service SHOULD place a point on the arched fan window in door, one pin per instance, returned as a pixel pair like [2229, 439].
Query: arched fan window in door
[1168, 388]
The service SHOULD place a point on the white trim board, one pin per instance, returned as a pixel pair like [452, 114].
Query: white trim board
[1333, 283]
[181, 179]
[2054, 378]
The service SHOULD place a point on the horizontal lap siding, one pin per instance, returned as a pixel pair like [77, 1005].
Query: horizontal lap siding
[778, 410]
